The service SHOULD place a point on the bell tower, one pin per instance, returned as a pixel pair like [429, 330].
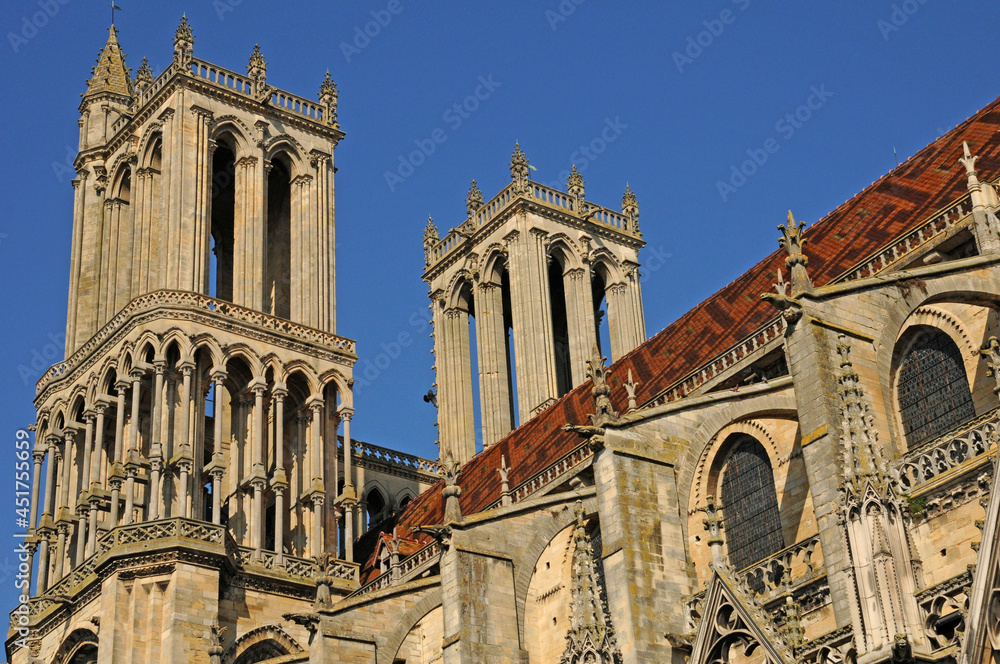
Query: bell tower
[538, 271]
[187, 474]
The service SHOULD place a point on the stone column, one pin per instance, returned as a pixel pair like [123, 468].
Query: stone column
[458, 433]
[184, 448]
[95, 480]
[532, 314]
[217, 472]
[155, 446]
[121, 387]
[37, 457]
[580, 320]
[133, 446]
[494, 383]
[258, 481]
[325, 254]
[318, 484]
[348, 506]
[279, 481]
[50, 471]
[346, 415]
[202, 243]
[43, 562]
[362, 502]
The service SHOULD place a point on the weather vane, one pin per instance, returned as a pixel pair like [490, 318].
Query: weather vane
[113, 8]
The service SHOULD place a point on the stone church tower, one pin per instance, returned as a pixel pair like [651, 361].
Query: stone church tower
[193, 473]
[533, 268]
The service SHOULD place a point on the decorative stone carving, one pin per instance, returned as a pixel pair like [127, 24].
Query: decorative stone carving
[519, 170]
[183, 45]
[328, 98]
[257, 72]
[431, 239]
[792, 241]
[601, 391]
[591, 637]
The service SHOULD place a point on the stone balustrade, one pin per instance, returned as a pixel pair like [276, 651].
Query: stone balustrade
[787, 567]
[951, 450]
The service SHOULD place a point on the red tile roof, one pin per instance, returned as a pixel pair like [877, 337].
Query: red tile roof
[896, 203]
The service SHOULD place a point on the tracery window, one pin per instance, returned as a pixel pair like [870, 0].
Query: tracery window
[750, 504]
[933, 389]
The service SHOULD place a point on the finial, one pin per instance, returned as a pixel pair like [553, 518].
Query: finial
[792, 241]
[630, 209]
[601, 392]
[504, 471]
[991, 354]
[257, 72]
[183, 44]
[519, 169]
[630, 387]
[328, 97]
[968, 160]
[143, 77]
[474, 200]
[574, 185]
[714, 525]
[863, 458]
[451, 470]
[430, 240]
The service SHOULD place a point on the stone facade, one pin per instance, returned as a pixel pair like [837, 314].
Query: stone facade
[804, 476]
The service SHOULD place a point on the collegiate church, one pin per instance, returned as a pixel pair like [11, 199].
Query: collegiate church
[799, 470]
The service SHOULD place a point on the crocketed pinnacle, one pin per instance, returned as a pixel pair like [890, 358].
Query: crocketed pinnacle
[110, 75]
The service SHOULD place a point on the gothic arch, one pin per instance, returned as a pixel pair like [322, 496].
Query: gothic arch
[405, 624]
[150, 140]
[563, 244]
[208, 342]
[183, 343]
[264, 640]
[287, 145]
[777, 405]
[602, 259]
[341, 385]
[300, 367]
[80, 642]
[235, 127]
[494, 260]
[245, 353]
[716, 448]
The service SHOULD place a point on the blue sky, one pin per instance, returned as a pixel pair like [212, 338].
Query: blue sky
[670, 97]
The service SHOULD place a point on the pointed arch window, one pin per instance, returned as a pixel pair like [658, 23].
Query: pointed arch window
[753, 522]
[933, 389]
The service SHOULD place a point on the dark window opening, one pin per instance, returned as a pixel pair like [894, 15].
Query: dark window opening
[750, 505]
[560, 328]
[934, 394]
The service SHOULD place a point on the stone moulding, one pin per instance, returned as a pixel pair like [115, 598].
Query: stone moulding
[276, 330]
[598, 218]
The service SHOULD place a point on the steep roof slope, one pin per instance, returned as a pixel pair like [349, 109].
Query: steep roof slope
[887, 208]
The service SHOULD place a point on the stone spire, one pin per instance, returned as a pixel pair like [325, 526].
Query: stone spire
[430, 239]
[603, 412]
[630, 387]
[257, 72]
[474, 200]
[519, 169]
[591, 636]
[183, 44]
[630, 209]
[328, 97]
[575, 188]
[110, 76]
[143, 77]
[451, 470]
[863, 458]
[792, 242]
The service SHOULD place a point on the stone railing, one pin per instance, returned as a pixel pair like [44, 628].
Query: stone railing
[303, 569]
[548, 476]
[242, 85]
[970, 440]
[778, 570]
[204, 303]
[909, 242]
[721, 363]
[366, 452]
[943, 609]
[551, 198]
[407, 568]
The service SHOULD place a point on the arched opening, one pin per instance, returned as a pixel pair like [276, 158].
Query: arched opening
[932, 388]
[376, 507]
[602, 331]
[298, 465]
[262, 651]
[220, 277]
[750, 504]
[278, 240]
[237, 448]
[560, 324]
[149, 245]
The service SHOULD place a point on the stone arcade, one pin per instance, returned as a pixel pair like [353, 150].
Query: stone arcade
[800, 470]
